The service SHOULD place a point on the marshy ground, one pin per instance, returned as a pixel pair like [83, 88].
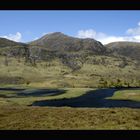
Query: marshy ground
[69, 108]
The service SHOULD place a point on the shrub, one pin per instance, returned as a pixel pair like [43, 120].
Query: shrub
[28, 82]
[103, 83]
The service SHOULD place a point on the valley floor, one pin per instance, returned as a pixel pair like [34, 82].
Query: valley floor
[69, 108]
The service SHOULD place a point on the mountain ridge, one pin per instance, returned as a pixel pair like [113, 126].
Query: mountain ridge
[63, 61]
[58, 41]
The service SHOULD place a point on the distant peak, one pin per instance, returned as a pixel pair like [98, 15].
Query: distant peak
[55, 33]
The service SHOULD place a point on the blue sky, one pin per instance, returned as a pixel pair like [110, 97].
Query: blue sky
[105, 26]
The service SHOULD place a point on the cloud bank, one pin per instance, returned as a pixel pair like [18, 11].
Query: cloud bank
[15, 37]
[132, 34]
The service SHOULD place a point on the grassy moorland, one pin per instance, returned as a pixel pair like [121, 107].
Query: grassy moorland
[132, 95]
[56, 75]
[21, 118]
[59, 82]
[27, 96]
[16, 114]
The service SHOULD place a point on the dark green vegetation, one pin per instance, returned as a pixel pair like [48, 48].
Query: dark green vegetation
[57, 70]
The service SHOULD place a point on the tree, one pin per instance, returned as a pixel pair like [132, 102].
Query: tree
[111, 84]
[103, 83]
[128, 84]
[118, 83]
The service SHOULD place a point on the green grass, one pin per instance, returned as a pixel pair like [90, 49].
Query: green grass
[14, 113]
[69, 93]
[133, 95]
[56, 75]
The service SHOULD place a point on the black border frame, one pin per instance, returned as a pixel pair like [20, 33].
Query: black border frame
[69, 5]
[70, 134]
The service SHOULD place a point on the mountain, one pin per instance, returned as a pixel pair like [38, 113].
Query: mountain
[9, 43]
[12, 48]
[58, 60]
[60, 42]
[128, 49]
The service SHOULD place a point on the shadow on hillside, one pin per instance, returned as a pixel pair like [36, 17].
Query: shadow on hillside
[31, 93]
[12, 89]
[94, 98]
[41, 92]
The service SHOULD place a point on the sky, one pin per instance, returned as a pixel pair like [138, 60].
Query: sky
[103, 25]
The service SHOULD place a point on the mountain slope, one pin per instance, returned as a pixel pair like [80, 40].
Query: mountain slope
[9, 43]
[128, 49]
[60, 42]
[12, 48]
[57, 60]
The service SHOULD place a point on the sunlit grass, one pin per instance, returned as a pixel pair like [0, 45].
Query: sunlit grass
[133, 95]
[69, 93]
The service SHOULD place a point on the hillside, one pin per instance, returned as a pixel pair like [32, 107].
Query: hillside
[57, 60]
[9, 43]
[128, 49]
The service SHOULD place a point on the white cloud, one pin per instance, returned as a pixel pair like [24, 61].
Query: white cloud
[44, 33]
[102, 37]
[134, 31]
[86, 33]
[36, 38]
[15, 37]
[109, 39]
[132, 34]
[90, 33]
